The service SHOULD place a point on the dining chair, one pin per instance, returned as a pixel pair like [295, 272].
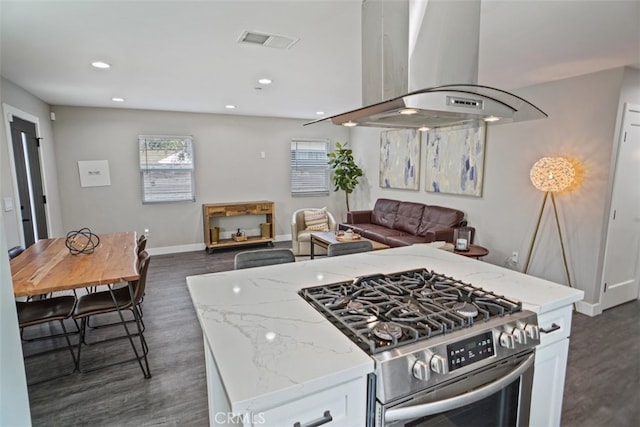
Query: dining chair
[261, 257]
[141, 244]
[344, 248]
[15, 251]
[117, 300]
[41, 311]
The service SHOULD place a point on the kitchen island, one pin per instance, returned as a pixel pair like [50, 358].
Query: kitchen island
[272, 359]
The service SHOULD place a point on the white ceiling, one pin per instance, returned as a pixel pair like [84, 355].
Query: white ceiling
[185, 56]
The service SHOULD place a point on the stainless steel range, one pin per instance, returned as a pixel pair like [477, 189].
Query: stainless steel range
[444, 350]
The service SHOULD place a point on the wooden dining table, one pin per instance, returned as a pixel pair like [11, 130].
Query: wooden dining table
[49, 266]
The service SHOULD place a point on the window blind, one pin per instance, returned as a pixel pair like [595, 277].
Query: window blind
[166, 168]
[309, 167]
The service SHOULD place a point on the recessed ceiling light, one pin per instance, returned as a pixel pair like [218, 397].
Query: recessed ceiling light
[100, 64]
[116, 99]
[491, 119]
[350, 124]
[229, 107]
[265, 81]
[409, 111]
[423, 129]
[320, 113]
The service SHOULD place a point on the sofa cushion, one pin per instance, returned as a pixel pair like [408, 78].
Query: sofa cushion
[405, 240]
[316, 220]
[408, 217]
[434, 216]
[381, 234]
[384, 212]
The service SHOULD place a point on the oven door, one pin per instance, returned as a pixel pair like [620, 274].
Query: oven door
[498, 395]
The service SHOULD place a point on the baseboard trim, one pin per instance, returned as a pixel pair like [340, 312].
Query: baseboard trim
[588, 309]
[192, 247]
[176, 249]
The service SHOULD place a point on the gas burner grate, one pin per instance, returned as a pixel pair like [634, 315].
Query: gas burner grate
[382, 312]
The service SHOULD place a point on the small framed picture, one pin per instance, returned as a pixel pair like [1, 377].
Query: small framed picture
[94, 173]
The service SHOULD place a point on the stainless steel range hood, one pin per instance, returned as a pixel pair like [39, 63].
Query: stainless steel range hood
[420, 69]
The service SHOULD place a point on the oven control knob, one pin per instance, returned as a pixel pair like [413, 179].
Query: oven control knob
[421, 370]
[507, 340]
[439, 364]
[519, 335]
[532, 331]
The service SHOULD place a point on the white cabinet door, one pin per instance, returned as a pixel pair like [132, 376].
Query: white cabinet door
[340, 406]
[548, 384]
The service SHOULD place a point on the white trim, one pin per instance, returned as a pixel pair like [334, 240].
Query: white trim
[590, 309]
[9, 112]
[176, 249]
[192, 247]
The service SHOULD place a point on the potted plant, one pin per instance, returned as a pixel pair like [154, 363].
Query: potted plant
[345, 170]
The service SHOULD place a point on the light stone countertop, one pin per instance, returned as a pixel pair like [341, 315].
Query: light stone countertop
[271, 346]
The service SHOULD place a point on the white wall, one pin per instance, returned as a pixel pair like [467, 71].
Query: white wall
[227, 161]
[582, 124]
[14, 400]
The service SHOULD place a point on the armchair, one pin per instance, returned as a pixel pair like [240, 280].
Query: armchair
[300, 234]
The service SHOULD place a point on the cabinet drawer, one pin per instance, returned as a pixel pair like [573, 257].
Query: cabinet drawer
[555, 325]
[345, 404]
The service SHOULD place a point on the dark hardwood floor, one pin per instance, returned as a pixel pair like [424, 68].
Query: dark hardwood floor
[602, 385]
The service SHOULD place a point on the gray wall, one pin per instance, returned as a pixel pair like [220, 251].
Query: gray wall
[228, 168]
[582, 124]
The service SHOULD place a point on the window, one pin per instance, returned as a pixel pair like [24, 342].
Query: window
[166, 168]
[309, 167]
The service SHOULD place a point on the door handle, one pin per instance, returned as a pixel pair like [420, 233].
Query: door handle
[26, 219]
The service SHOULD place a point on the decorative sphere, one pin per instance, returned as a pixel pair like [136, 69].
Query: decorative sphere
[82, 241]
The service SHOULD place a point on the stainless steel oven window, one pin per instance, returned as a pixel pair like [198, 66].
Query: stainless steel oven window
[499, 395]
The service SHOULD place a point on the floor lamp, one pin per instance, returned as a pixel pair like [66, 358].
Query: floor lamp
[551, 175]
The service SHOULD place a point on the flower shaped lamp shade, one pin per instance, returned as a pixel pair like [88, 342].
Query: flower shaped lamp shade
[551, 175]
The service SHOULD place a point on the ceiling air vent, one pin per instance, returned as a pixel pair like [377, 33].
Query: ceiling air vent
[268, 40]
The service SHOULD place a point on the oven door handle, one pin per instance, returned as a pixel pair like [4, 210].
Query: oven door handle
[418, 411]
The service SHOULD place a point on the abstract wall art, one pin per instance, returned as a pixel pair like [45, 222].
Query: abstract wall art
[400, 159]
[455, 160]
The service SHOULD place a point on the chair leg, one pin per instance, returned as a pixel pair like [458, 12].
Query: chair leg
[83, 328]
[139, 356]
[107, 325]
[143, 342]
[66, 337]
[69, 347]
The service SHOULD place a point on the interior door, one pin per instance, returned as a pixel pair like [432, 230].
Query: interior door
[29, 179]
[621, 274]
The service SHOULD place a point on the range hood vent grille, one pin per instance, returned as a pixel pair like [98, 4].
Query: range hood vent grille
[465, 102]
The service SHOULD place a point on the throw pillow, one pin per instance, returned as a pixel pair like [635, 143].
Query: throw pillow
[316, 220]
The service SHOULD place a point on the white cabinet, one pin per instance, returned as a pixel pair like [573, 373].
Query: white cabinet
[341, 406]
[550, 368]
